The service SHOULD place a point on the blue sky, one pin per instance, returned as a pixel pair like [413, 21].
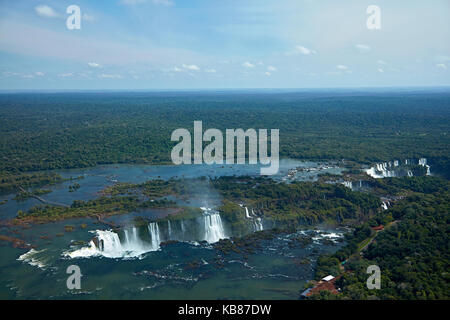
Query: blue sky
[195, 44]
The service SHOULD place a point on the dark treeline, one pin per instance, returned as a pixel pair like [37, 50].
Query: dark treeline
[10, 183]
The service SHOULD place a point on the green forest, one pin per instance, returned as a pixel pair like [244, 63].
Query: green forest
[74, 130]
[413, 253]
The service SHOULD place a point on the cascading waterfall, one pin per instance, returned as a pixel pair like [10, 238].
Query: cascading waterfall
[246, 213]
[153, 230]
[423, 162]
[348, 184]
[394, 169]
[107, 243]
[110, 246]
[256, 221]
[132, 242]
[214, 230]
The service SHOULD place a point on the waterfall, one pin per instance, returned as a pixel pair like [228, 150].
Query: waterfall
[423, 162]
[258, 224]
[132, 242]
[110, 246]
[246, 213]
[110, 242]
[107, 243]
[255, 220]
[214, 230]
[348, 184]
[381, 170]
[393, 169]
[169, 229]
[153, 230]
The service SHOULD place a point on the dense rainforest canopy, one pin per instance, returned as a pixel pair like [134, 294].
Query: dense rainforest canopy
[67, 130]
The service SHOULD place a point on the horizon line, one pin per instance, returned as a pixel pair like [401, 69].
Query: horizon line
[155, 90]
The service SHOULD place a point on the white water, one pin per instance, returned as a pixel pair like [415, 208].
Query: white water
[423, 162]
[390, 169]
[155, 237]
[333, 236]
[246, 213]
[214, 230]
[31, 257]
[348, 184]
[258, 224]
[255, 220]
[110, 245]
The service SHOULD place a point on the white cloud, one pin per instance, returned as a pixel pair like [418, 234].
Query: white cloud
[363, 48]
[268, 74]
[10, 74]
[94, 65]
[382, 62]
[248, 64]
[301, 50]
[46, 11]
[65, 75]
[191, 67]
[441, 66]
[28, 76]
[380, 70]
[210, 70]
[341, 67]
[271, 68]
[88, 17]
[39, 74]
[110, 76]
